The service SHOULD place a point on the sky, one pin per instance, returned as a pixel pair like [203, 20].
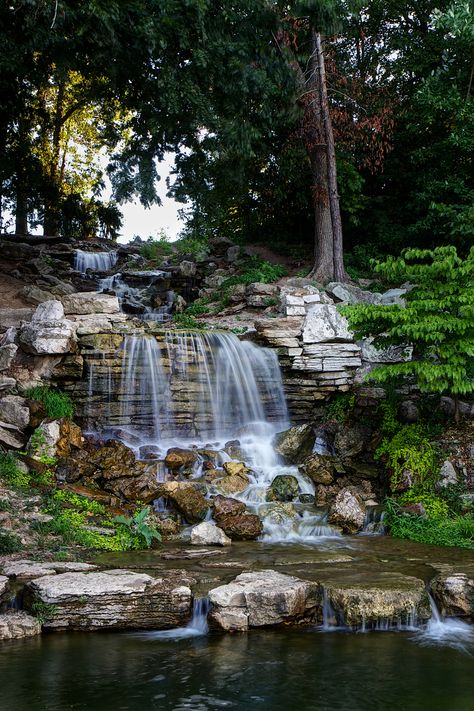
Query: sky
[143, 222]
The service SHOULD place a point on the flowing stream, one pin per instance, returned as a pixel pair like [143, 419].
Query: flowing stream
[94, 261]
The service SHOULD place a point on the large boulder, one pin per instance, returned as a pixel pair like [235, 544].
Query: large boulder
[90, 303]
[208, 534]
[379, 598]
[177, 458]
[7, 355]
[351, 294]
[263, 599]
[112, 599]
[284, 487]
[319, 467]
[295, 444]
[324, 324]
[242, 526]
[48, 332]
[14, 411]
[224, 505]
[454, 593]
[114, 468]
[447, 475]
[232, 484]
[187, 498]
[348, 512]
[16, 625]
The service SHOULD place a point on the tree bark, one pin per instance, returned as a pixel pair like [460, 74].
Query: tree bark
[338, 255]
[51, 222]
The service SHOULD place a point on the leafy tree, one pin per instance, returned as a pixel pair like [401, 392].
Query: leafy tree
[437, 321]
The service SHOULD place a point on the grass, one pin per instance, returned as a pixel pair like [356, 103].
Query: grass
[9, 542]
[57, 404]
[436, 530]
[11, 473]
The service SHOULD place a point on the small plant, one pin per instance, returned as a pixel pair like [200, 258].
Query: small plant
[6, 505]
[186, 321]
[437, 530]
[57, 404]
[9, 542]
[153, 249]
[139, 526]
[191, 246]
[339, 408]
[43, 611]
[434, 506]
[270, 301]
[11, 473]
[409, 451]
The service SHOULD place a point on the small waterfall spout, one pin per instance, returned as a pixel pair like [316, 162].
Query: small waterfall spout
[196, 627]
[446, 632]
[95, 261]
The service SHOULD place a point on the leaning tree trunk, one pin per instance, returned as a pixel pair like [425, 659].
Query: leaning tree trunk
[338, 255]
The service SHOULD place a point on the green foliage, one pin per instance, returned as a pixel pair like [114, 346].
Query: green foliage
[154, 249]
[9, 542]
[410, 450]
[435, 530]
[140, 527]
[341, 405]
[435, 506]
[82, 503]
[43, 611]
[6, 505]
[255, 269]
[11, 473]
[199, 307]
[57, 403]
[187, 322]
[194, 247]
[438, 321]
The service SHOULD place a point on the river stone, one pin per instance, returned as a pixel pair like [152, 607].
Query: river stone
[284, 487]
[15, 625]
[324, 324]
[7, 355]
[232, 484]
[348, 512]
[112, 599]
[208, 534]
[236, 469]
[295, 444]
[187, 497]
[352, 440]
[177, 458]
[454, 593]
[319, 468]
[377, 597]
[262, 599]
[242, 526]
[90, 303]
[225, 505]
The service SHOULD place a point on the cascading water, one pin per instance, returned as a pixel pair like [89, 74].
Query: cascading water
[95, 261]
[200, 390]
[132, 298]
[446, 632]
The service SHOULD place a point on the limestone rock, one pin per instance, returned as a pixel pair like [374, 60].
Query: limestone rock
[447, 474]
[392, 354]
[176, 457]
[232, 484]
[236, 469]
[13, 318]
[48, 332]
[319, 467]
[262, 599]
[14, 411]
[241, 526]
[187, 497]
[3, 585]
[113, 599]
[15, 625]
[48, 435]
[34, 295]
[368, 599]
[323, 323]
[351, 294]
[7, 355]
[454, 593]
[295, 444]
[187, 268]
[11, 438]
[208, 534]
[284, 487]
[408, 411]
[90, 303]
[25, 570]
[347, 512]
[352, 440]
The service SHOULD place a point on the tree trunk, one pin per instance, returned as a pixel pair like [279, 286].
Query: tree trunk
[21, 212]
[51, 222]
[338, 255]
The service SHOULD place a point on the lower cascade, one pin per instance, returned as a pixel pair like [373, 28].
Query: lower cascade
[94, 261]
[211, 392]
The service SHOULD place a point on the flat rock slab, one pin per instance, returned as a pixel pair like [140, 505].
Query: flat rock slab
[261, 599]
[113, 599]
[15, 625]
[376, 597]
[454, 593]
[3, 584]
[25, 570]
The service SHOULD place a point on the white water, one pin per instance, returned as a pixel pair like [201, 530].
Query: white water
[197, 627]
[95, 261]
[136, 295]
[446, 632]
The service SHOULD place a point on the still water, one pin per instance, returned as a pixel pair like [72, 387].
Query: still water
[272, 671]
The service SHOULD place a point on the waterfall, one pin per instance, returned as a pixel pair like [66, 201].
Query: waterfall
[446, 631]
[196, 627]
[95, 261]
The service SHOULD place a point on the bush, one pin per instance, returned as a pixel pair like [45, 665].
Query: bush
[254, 270]
[56, 403]
[340, 406]
[154, 249]
[434, 506]
[409, 450]
[9, 542]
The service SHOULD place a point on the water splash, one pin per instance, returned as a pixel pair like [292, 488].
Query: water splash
[446, 632]
[196, 627]
[95, 261]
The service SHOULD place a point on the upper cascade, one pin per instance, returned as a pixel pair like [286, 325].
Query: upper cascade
[95, 261]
